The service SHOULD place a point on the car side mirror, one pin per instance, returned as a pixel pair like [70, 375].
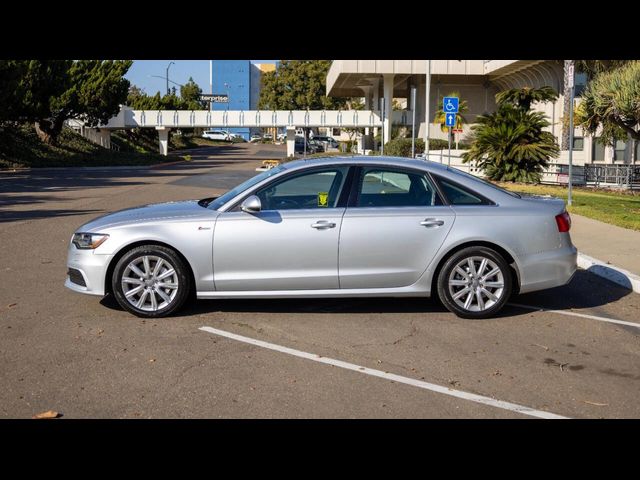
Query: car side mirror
[251, 204]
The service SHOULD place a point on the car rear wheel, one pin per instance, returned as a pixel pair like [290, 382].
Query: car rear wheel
[151, 281]
[475, 283]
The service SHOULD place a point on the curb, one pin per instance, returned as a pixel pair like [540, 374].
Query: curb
[612, 273]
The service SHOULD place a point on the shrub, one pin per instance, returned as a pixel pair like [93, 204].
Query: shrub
[401, 147]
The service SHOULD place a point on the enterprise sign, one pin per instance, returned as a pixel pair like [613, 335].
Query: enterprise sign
[215, 98]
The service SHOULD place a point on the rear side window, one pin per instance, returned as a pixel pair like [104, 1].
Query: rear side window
[395, 188]
[459, 195]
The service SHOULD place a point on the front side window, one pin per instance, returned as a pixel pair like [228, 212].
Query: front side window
[394, 188]
[317, 189]
[220, 201]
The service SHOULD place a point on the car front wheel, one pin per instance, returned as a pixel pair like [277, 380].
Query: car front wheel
[151, 281]
[475, 283]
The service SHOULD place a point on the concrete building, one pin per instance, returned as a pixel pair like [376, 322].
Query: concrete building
[477, 82]
[241, 81]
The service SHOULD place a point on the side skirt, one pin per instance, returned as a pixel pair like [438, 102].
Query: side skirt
[411, 291]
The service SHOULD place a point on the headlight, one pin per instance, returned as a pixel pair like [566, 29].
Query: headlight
[88, 241]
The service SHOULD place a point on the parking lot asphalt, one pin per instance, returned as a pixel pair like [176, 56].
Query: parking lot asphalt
[562, 354]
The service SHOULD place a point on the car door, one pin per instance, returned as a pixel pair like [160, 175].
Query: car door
[292, 243]
[393, 227]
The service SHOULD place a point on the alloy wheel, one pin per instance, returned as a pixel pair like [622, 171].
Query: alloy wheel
[150, 283]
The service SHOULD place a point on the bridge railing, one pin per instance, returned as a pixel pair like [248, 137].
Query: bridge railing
[247, 118]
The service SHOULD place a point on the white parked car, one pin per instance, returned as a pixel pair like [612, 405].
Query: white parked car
[220, 135]
[255, 138]
[267, 136]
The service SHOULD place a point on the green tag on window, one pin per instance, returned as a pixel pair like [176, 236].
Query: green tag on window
[323, 199]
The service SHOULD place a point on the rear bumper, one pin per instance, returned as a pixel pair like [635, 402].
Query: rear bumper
[92, 267]
[548, 269]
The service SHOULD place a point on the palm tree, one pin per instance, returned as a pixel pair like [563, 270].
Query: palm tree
[524, 97]
[441, 118]
[511, 144]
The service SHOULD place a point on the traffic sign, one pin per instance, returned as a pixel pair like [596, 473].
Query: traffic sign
[450, 119]
[450, 104]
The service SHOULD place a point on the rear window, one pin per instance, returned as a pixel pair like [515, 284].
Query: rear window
[482, 181]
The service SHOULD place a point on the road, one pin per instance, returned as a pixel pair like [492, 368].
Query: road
[84, 357]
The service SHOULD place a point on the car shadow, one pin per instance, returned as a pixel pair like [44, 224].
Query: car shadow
[584, 291]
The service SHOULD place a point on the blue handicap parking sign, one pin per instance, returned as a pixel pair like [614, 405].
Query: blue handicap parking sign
[450, 104]
[450, 120]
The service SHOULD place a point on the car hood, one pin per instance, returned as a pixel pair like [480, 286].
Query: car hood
[146, 213]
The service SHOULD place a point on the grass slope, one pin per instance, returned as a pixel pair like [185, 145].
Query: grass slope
[21, 147]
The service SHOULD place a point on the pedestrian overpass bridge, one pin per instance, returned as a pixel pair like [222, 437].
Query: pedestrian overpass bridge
[165, 120]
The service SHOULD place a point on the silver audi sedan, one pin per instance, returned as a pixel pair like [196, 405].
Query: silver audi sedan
[331, 227]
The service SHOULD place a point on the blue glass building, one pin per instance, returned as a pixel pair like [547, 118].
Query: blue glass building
[233, 78]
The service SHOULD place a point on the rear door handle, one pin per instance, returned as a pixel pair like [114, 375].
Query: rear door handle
[322, 224]
[432, 222]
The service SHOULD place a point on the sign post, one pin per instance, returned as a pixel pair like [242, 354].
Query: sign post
[413, 122]
[450, 107]
[570, 72]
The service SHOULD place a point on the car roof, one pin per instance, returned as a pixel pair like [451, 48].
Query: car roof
[365, 160]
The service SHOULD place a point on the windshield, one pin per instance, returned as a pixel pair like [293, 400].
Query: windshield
[483, 181]
[218, 202]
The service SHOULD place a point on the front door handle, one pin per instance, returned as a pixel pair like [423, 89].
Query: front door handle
[432, 222]
[322, 224]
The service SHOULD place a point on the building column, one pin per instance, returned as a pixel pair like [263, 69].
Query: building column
[376, 100]
[291, 141]
[388, 111]
[608, 154]
[367, 102]
[163, 134]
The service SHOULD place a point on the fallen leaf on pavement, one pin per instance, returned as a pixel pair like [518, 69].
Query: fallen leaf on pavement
[11, 305]
[541, 346]
[151, 360]
[596, 403]
[47, 414]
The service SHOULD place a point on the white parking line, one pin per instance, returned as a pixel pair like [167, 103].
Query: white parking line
[492, 402]
[575, 314]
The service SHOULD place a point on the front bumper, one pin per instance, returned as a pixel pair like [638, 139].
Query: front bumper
[92, 267]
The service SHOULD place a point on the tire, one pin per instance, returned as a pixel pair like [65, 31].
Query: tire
[160, 284]
[475, 294]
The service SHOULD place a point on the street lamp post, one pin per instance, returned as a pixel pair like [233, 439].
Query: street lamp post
[171, 63]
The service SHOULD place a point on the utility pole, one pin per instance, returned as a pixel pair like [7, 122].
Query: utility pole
[413, 122]
[211, 83]
[427, 111]
[571, 72]
[167, 76]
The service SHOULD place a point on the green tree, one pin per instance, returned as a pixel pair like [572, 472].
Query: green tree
[524, 97]
[591, 68]
[612, 101]
[511, 143]
[27, 86]
[441, 118]
[298, 85]
[95, 92]
[190, 93]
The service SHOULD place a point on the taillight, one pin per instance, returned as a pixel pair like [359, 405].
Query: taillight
[564, 222]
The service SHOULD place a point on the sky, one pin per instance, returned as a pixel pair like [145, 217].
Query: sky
[142, 71]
